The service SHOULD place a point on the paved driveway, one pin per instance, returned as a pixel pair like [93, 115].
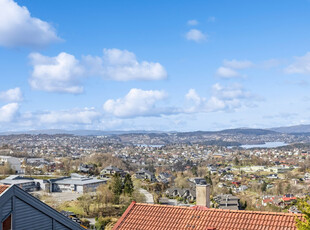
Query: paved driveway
[148, 196]
[59, 197]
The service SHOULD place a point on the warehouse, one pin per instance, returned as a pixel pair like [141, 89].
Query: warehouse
[75, 183]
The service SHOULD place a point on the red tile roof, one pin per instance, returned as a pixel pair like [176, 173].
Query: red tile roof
[150, 216]
[3, 188]
[268, 200]
[289, 198]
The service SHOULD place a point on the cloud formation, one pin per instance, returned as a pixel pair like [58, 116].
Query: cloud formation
[300, 66]
[227, 72]
[64, 72]
[8, 112]
[56, 74]
[137, 102]
[122, 65]
[196, 36]
[75, 116]
[11, 95]
[223, 98]
[230, 67]
[19, 29]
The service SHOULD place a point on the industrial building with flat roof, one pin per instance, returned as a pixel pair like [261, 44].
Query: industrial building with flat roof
[75, 183]
[26, 183]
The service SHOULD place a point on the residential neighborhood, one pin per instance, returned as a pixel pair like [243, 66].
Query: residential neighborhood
[255, 179]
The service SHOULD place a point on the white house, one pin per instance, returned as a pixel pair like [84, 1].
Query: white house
[13, 162]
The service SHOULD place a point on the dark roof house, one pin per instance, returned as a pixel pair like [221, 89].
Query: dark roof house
[20, 210]
[86, 168]
[111, 170]
[198, 180]
[146, 174]
[164, 177]
[187, 193]
[227, 201]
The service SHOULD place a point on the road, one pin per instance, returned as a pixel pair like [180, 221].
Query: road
[148, 196]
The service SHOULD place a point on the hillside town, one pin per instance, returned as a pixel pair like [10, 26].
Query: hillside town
[68, 172]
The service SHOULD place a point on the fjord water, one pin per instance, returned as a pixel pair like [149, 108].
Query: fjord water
[266, 145]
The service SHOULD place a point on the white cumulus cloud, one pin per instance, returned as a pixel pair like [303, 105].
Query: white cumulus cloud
[195, 101]
[64, 73]
[19, 29]
[56, 74]
[223, 98]
[8, 112]
[229, 92]
[300, 66]
[11, 95]
[196, 35]
[228, 70]
[122, 65]
[137, 102]
[74, 116]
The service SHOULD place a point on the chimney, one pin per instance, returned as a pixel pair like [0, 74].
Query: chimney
[203, 195]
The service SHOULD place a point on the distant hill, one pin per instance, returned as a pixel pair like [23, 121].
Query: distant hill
[77, 132]
[293, 129]
[244, 131]
[247, 131]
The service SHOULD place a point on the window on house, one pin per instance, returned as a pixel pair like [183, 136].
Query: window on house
[7, 224]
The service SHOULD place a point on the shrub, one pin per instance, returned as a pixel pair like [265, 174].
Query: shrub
[102, 222]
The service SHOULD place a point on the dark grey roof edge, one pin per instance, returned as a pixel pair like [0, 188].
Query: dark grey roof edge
[39, 205]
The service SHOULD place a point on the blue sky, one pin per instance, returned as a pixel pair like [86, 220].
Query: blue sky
[154, 65]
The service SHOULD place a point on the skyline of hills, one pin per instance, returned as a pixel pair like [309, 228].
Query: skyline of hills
[296, 129]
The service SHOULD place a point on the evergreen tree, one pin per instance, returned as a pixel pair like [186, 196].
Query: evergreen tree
[264, 186]
[117, 184]
[236, 161]
[128, 185]
[195, 170]
[117, 187]
[208, 180]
